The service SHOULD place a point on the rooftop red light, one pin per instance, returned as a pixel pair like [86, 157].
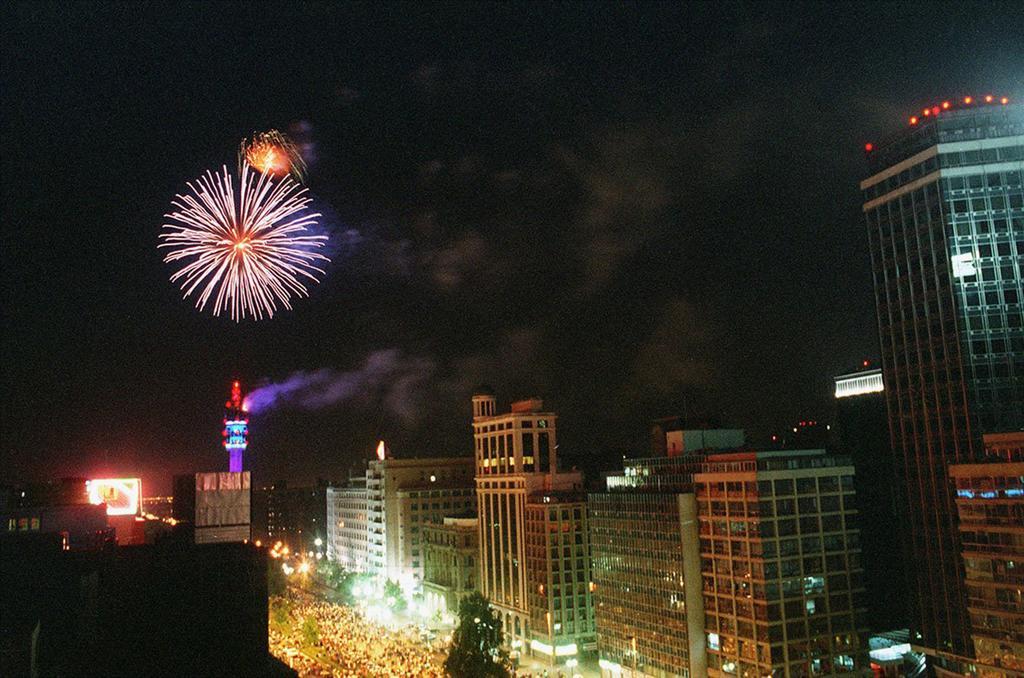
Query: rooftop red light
[869, 147]
[950, 104]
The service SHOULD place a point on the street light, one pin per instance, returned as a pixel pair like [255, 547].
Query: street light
[318, 541]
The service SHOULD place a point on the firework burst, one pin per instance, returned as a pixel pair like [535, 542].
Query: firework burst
[243, 252]
[272, 153]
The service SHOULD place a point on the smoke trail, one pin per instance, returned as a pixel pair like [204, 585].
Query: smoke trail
[387, 377]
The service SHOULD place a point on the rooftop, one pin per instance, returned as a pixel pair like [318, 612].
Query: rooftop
[968, 118]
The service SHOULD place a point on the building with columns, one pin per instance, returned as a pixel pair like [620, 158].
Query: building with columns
[518, 481]
[450, 553]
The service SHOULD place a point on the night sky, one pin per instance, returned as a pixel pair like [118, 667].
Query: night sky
[630, 210]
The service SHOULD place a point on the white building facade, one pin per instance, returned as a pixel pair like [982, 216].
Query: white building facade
[347, 526]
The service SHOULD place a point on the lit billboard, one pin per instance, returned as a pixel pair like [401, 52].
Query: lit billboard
[121, 495]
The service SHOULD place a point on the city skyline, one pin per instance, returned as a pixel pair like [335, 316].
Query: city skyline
[589, 340]
[665, 219]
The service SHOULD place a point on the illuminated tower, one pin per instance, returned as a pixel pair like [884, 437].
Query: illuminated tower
[236, 428]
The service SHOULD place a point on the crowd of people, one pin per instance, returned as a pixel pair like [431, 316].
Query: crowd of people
[346, 644]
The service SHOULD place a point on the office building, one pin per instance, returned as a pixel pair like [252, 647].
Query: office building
[1008, 446]
[216, 506]
[61, 508]
[944, 208]
[516, 468]
[296, 516]
[451, 551]
[783, 591]
[79, 526]
[347, 526]
[649, 611]
[558, 575]
[862, 433]
[990, 504]
[222, 507]
[403, 495]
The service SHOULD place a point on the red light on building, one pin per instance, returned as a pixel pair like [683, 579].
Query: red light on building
[945, 105]
[866, 363]
[988, 98]
[913, 120]
[968, 100]
[935, 110]
[869, 147]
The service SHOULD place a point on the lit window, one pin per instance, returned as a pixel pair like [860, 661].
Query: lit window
[713, 641]
[963, 265]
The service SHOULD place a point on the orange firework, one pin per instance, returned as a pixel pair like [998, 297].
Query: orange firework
[272, 153]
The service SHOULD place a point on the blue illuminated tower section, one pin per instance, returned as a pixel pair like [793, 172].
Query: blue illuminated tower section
[236, 429]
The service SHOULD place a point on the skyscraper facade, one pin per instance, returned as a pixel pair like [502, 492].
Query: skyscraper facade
[990, 499]
[516, 464]
[783, 588]
[558, 576]
[648, 602]
[944, 207]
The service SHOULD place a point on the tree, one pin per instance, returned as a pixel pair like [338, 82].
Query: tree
[276, 581]
[279, 609]
[393, 596]
[476, 643]
[310, 631]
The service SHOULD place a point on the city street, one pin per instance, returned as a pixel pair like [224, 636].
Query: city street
[317, 638]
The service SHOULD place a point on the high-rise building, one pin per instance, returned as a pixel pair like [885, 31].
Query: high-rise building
[647, 584]
[783, 594]
[862, 433]
[347, 527]
[990, 502]
[403, 495]
[451, 551]
[516, 468]
[558, 575]
[375, 523]
[944, 207]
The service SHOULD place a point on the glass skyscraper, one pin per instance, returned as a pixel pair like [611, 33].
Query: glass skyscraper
[944, 207]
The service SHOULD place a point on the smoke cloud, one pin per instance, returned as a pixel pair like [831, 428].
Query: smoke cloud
[387, 377]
